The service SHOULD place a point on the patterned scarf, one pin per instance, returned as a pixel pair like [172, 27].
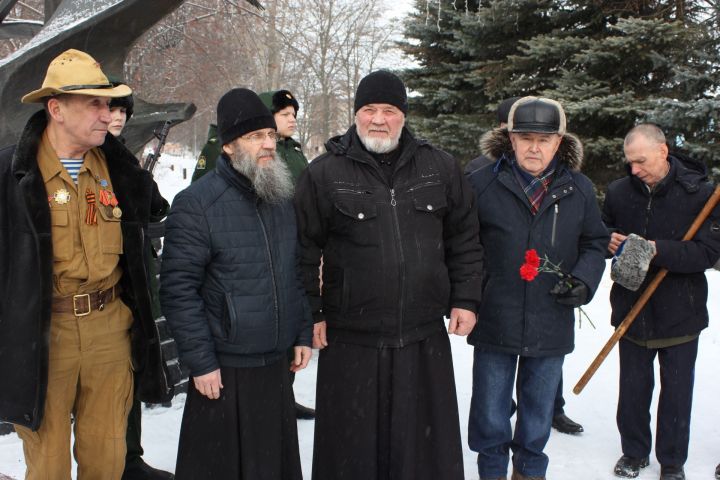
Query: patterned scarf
[534, 187]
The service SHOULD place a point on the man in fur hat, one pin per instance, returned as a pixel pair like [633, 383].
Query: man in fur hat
[394, 221]
[533, 198]
[73, 278]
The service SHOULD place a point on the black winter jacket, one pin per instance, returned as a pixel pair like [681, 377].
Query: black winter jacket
[230, 288]
[397, 256]
[678, 307]
[519, 317]
[26, 274]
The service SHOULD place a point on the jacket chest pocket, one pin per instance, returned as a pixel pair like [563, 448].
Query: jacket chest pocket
[62, 234]
[356, 218]
[110, 231]
[430, 206]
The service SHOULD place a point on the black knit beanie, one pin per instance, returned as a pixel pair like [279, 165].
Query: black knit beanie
[381, 87]
[240, 111]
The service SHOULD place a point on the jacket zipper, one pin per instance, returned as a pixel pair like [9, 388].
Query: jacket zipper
[272, 276]
[647, 215]
[554, 225]
[393, 204]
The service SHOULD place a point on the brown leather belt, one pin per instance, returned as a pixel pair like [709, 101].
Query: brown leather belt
[84, 303]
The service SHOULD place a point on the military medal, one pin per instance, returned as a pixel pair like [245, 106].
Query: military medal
[110, 201]
[61, 196]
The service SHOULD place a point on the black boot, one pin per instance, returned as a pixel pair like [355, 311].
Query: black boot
[139, 470]
[672, 472]
[563, 424]
[629, 467]
[304, 413]
[717, 472]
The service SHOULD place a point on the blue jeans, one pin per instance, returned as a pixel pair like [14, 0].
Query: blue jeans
[490, 433]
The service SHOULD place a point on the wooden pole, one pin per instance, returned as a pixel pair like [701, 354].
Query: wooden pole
[640, 303]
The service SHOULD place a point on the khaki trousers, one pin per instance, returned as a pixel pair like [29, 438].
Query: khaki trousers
[90, 377]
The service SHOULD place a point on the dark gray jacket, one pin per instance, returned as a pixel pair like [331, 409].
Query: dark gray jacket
[678, 307]
[229, 284]
[516, 316]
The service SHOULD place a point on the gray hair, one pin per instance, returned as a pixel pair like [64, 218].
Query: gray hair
[648, 130]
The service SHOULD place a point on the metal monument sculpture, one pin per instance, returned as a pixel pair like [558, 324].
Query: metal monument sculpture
[106, 29]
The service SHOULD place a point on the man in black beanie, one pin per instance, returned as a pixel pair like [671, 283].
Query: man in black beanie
[232, 296]
[394, 221]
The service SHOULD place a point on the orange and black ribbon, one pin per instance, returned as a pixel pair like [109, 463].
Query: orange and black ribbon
[91, 215]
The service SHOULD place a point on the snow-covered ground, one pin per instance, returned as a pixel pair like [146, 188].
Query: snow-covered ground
[589, 456]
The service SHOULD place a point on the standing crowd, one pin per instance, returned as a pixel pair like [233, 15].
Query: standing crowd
[372, 253]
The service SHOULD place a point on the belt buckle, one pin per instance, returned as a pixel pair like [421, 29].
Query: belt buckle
[75, 308]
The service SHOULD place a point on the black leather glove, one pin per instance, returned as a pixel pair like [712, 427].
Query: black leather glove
[570, 291]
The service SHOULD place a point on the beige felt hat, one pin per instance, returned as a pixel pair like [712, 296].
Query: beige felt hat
[78, 73]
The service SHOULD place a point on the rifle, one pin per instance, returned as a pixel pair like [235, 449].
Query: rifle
[161, 135]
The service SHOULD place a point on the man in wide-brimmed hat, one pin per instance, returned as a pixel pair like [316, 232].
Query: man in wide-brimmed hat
[73, 278]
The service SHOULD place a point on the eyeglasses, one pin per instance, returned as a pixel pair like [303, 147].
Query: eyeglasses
[258, 138]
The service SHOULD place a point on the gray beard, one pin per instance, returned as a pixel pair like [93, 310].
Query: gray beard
[272, 183]
[381, 145]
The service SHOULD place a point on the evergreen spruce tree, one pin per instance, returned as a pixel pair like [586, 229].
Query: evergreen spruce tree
[460, 48]
[612, 64]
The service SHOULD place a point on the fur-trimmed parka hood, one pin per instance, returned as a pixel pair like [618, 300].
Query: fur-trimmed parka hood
[496, 143]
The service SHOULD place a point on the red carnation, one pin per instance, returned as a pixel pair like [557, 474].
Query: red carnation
[528, 272]
[532, 258]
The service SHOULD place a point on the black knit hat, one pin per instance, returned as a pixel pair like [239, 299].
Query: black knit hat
[381, 87]
[240, 111]
[278, 100]
[128, 103]
[503, 110]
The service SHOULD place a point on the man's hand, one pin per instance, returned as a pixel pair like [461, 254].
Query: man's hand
[320, 335]
[302, 357]
[615, 240]
[571, 292]
[461, 321]
[209, 384]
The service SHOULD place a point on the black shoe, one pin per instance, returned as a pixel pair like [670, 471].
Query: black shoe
[672, 472]
[563, 424]
[303, 412]
[717, 472]
[139, 470]
[629, 467]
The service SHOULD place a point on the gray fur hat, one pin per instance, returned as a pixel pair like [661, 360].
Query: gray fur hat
[632, 261]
